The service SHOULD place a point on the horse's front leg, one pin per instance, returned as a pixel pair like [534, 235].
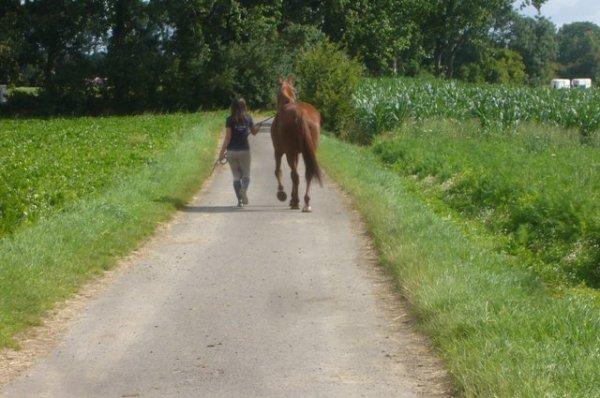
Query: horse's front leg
[281, 195]
[293, 163]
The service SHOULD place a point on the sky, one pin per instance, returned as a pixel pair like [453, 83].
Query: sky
[566, 11]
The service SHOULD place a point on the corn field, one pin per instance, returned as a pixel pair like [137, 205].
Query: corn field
[383, 104]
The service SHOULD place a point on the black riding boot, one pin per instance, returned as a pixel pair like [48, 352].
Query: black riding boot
[237, 186]
[244, 189]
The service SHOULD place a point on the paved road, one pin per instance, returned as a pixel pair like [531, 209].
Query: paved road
[257, 302]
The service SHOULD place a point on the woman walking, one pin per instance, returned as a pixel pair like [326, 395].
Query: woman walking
[239, 126]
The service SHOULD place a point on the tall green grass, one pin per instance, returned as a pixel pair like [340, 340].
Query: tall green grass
[536, 186]
[50, 259]
[499, 330]
[383, 104]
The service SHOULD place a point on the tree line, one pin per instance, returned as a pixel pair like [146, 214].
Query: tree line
[132, 55]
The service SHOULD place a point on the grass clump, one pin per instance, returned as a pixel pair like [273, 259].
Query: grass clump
[50, 259]
[538, 187]
[499, 330]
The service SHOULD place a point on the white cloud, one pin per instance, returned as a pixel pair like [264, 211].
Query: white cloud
[566, 11]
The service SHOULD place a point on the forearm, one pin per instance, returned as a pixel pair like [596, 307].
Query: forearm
[224, 147]
[226, 142]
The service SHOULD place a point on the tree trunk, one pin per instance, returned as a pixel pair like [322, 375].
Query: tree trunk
[49, 69]
[450, 65]
[438, 60]
[117, 50]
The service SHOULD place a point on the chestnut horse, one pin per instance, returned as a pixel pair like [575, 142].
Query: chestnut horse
[295, 130]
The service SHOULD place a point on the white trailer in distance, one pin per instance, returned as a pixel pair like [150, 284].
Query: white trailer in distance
[581, 83]
[560, 83]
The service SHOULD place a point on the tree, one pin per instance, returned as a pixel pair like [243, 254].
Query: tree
[579, 50]
[495, 65]
[535, 39]
[185, 50]
[378, 32]
[505, 66]
[134, 63]
[449, 25]
[329, 16]
[327, 78]
[62, 31]
[11, 40]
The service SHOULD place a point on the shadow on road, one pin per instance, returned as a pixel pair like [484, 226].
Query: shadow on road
[231, 209]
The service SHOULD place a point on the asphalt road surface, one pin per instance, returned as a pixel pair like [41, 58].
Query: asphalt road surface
[255, 302]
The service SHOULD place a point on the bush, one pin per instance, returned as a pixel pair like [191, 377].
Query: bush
[257, 64]
[327, 78]
[20, 102]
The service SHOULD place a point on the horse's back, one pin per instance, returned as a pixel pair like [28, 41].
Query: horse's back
[310, 112]
[288, 125]
[297, 113]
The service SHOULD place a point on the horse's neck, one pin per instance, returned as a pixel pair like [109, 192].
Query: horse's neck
[282, 102]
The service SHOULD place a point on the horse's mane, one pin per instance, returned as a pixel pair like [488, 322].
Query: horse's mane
[287, 94]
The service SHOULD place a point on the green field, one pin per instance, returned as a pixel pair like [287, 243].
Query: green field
[537, 188]
[79, 193]
[383, 104]
[46, 165]
[499, 329]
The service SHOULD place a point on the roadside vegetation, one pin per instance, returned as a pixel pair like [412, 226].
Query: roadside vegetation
[85, 192]
[536, 187]
[483, 201]
[500, 329]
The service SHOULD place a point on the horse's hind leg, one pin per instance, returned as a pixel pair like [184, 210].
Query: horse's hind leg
[306, 208]
[280, 192]
[293, 162]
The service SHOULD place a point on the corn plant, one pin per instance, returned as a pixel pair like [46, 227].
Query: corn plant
[383, 104]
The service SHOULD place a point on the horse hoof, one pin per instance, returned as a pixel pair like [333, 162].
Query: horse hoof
[306, 209]
[282, 196]
[295, 207]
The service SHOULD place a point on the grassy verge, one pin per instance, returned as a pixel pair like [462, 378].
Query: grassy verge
[500, 331]
[49, 260]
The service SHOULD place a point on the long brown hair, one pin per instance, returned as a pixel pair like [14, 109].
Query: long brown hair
[239, 110]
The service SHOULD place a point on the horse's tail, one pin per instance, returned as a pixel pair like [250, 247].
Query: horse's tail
[309, 154]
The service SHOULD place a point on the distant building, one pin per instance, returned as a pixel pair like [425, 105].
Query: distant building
[581, 83]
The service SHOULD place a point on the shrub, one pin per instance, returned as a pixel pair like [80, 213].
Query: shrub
[327, 78]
